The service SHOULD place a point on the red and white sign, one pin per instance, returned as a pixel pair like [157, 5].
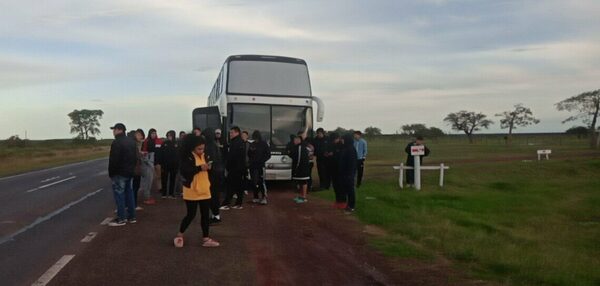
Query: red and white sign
[417, 150]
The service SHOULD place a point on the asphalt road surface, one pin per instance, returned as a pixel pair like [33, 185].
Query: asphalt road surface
[52, 233]
[45, 214]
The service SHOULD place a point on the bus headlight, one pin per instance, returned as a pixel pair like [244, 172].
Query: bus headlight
[284, 159]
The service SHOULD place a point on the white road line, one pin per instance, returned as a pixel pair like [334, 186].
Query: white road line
[52, 184]
[50, 179]
[39, 220]
[50, 169]
[103, 173]
[89, 237]
[52, 271]
[106, 221]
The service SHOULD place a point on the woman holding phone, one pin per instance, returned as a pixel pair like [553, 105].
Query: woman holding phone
[196, 189]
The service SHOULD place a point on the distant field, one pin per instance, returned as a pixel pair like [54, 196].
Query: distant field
[503, 216]
[34, 155]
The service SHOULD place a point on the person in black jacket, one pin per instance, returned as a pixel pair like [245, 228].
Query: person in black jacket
[410, 160]
[259, 153]
[121, 169]
[300, 167]
[320, 143]
[235, 165]
[332, 154]
[169, 162]
[347, 171]
[216, 174]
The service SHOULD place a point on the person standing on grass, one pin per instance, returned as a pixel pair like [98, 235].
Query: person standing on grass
[320, 143]
[333, 164]
[410, 159]
[348, 166]
[258, 154]
[300, 167]
[196, 190]
[169, 161]
[121, 169]
[235, 166]
[360, 145]
[216, 174]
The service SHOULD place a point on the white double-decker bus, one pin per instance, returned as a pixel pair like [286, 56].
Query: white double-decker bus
[271, 94]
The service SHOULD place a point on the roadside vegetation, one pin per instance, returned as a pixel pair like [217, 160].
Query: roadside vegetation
[502, 215]
[19, 155]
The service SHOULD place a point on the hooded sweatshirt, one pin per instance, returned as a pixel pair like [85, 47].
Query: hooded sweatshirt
[347, 161]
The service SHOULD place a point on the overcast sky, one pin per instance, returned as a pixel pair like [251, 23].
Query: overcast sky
[380, 63]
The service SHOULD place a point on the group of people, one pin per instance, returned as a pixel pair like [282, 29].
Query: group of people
[201, 165]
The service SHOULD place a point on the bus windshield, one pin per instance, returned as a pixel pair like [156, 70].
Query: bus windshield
[275, 123]
[268, 78]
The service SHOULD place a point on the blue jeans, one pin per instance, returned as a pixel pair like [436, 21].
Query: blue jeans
[123, 193]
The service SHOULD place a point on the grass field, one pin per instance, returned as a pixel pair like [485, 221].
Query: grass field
[502, 216]
[34, 155]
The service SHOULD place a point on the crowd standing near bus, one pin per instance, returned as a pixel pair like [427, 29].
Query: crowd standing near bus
[202, 166]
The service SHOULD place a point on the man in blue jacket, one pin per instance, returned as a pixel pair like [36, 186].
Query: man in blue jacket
[361, 155]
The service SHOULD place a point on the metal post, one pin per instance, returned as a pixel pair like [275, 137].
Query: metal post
[401, 176]
[441, 174]
[417, 170]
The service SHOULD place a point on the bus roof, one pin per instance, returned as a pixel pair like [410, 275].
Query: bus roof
[265, 58]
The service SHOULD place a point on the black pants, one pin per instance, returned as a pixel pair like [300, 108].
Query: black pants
[136, 187]
[234, 187]
[258, 182]
[310, 181]
[168, 177]
[324, 179]
[349, 193]
[410, 175]
[360, 168]
[217, 181]
[192, 207]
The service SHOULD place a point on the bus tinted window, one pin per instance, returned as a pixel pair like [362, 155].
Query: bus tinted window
[288, 120]
[251, 117]
[268, 78]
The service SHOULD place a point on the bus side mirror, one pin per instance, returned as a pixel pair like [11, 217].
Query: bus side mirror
[320, 108]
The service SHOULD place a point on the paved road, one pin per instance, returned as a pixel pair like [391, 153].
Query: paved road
[45, 214]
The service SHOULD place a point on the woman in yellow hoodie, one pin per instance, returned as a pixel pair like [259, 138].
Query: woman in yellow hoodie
[196, 188]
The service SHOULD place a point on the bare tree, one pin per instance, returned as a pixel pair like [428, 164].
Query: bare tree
[85, 122]
[468, 122]
[520, 116]
[587, 108]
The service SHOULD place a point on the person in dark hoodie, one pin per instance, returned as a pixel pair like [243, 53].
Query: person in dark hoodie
[300, 167]
[347, 171]
[333, 161]
[121, 169]
[410, 160]
[259, 153]
[169, 161]
[320, 143]
[216, 174]
[235, 165]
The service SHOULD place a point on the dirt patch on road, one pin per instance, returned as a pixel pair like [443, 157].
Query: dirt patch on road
[282, 243]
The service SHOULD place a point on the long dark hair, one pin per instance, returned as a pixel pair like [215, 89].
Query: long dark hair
[256, 136]
[190, 142]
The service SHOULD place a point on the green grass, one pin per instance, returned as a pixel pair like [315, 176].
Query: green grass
[499, 217]
[34, 155]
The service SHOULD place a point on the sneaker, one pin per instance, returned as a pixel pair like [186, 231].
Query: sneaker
[215, 220]
[132, 221]
[178, 242]
[349, 211]
[263, 201]
[163, 197]
[224, 208]
[235, 196]
[301, 200]
[172, 197]
[139, 208]
[237, 207]
[210, 243]
[256, 201]
[150, 201]
[246, 193]
[117, 222]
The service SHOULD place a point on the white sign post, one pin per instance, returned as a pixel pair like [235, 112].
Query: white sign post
[544, 152]
[417, 151]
